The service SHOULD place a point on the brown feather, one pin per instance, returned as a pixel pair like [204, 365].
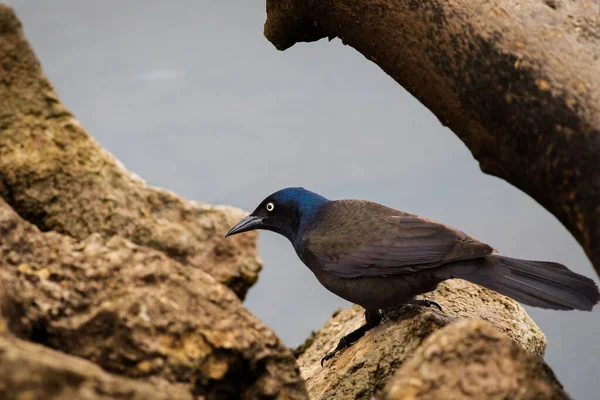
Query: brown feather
[357, 238]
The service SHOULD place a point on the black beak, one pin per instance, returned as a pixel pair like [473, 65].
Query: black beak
[249, 223]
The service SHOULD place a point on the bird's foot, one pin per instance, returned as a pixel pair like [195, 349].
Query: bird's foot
[425, 303]
[372, 317]
[343, 344]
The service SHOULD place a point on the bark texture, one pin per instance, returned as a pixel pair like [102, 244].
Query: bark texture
[57, 177]
[517, 81]
[362, 370]
[471, 359]
[136, 312]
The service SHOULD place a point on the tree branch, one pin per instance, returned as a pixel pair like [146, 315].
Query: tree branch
[518, 83]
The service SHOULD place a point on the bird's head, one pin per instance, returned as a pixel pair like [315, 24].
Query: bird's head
[282, 212]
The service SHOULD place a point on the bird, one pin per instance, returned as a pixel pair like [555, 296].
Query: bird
[379, 257]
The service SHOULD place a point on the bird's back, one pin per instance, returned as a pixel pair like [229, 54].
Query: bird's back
[353, 238]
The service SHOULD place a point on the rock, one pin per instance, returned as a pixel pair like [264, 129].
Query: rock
[57, 177]
[462, 299]
[363, 369]
[136, 312]
[33, 372]
[472, 360]
[126, 276]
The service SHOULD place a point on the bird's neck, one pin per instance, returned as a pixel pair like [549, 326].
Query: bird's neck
[307, 216]
[308, 212]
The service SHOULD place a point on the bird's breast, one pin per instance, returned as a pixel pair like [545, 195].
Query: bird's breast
[376, 292]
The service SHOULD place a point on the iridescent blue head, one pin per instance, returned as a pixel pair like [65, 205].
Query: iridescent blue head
[286, 212]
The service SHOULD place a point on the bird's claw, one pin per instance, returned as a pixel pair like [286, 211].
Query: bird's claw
[372, 317]
[328, 356]
[427, 303]
[343, 343]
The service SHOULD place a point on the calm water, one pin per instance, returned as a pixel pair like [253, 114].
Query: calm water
[193, 98]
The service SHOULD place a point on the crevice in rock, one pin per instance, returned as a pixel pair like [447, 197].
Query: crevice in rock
[39, 333]
[240, 377]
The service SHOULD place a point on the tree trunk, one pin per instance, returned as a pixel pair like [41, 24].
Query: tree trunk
[518, 82]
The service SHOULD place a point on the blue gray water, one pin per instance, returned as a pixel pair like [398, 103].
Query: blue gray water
[193, 98]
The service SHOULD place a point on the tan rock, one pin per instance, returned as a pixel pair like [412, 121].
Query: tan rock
[363, 369]
[32, 372]
[472, 360]
[136, 312]
[57, 177]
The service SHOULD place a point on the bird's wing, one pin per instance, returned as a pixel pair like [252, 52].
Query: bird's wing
[362, 239]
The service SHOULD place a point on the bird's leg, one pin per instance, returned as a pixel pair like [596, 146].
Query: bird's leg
[372, 317]
[425, 303]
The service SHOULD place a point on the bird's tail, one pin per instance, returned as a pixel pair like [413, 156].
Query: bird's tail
[535, 283]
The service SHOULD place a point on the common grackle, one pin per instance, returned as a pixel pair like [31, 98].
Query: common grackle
[379, 257]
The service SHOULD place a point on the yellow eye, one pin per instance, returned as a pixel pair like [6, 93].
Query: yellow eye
[270, 206]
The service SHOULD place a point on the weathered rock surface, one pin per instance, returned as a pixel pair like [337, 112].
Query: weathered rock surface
[57, 177]
[364, 368]
[96, 264]
[471, 359]
[134, 311]
[33, 372]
